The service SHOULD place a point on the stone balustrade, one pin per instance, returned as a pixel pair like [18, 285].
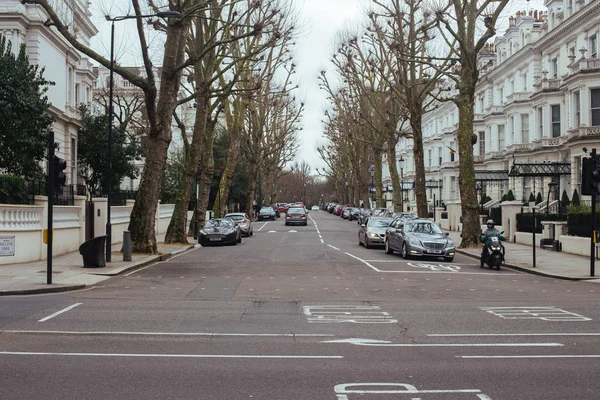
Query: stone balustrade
[20, 217]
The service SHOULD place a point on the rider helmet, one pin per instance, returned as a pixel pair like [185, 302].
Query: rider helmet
[490, 222]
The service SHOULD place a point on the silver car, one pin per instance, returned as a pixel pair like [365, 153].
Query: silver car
[372, 232]
[296, 216]
[418, 238]
[243, 221]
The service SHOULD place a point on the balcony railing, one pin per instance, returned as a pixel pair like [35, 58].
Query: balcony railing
[494, 155]
[547, 84]
[479, 159]
[449, 164]
[583, 131]
[519, 148]
[584, 65]
[517, 96]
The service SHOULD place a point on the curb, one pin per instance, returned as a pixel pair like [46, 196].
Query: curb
[529, 270]
[70, 288]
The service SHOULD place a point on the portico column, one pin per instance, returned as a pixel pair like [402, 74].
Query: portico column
[584, 98]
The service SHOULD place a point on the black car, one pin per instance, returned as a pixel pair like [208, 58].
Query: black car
[220, 231]
[362, 217]
[267, 213]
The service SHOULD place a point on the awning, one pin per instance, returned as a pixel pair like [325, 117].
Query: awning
[540, 169]
[491, 176]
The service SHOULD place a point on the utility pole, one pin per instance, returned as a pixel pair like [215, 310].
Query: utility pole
[590, 186]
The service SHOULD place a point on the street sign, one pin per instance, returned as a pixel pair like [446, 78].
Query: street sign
[7, 246]
[597, 238]
[46, 236]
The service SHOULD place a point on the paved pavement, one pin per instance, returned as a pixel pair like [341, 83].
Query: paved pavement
[69, 274]
[548, 263]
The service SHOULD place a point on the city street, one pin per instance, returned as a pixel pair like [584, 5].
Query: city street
[300, 312]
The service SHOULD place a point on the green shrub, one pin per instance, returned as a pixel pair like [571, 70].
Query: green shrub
[510, 196]
[13, 190]
[564, 200]
[538, 198]
[579, 223]
[531, 198]
[576, 201]
[503, 199]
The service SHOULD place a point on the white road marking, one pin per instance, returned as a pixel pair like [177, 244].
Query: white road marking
[538, 356]
[261, 228]
[272, 232]
[544, 313]
[363, 261]
[351, 314]
[32, 353]
[120, 333]
[293, 231]
[333, 247]
[384, 343]
[60, 312]
[403, 388]
[322, 241]
[512, 334]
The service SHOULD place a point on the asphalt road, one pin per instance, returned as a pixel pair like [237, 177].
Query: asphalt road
[305, 313]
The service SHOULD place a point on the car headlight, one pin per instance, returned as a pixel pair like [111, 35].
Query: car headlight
[449, 243]
[373, 235]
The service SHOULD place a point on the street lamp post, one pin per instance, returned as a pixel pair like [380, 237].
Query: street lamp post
[401, 164]
[161, 14]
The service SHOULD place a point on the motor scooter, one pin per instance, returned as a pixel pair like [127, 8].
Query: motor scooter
[494, 251]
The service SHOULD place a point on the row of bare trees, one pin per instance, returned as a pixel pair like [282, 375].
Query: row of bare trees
[407, 56]
[232, 59]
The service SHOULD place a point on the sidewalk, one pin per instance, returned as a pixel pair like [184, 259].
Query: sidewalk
[68, 272]
[548, 263]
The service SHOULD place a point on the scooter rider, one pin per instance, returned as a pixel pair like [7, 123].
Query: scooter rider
[490, 232]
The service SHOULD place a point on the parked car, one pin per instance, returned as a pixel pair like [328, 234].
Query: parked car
[282, 207]
[243, 221]
[267, 213]
[275, 208]
[354, 213]
[372, 232]
[381, 212]
[296, 216]
[220, 231]
[404, 215]
[346, 212]
[418, 238]
[314, 208]
[362, 217]
[331, 207]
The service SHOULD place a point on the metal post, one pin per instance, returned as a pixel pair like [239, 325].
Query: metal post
[196, 210]
[434, 207]
[110, 123]
[50, 206]
[534, 228]
[126, 246]
[401, 189]
[592, 244]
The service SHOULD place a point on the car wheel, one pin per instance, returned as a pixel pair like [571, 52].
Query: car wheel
[405, 251]
[286, 224]
[388, 249]
[202, 244]
[251, 233]
[367, 245]
[306, 224]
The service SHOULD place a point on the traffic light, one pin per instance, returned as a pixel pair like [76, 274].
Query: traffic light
[60, 179]
[590, 175]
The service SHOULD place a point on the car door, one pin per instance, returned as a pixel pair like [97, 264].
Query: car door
[392, 235]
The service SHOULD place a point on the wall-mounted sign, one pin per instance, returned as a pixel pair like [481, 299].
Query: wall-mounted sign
[7, 245]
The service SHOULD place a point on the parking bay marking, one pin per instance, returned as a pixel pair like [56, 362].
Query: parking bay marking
[513, 334]
[385, 343]
[237, 356]
[544, 313]
[213, 334]
[344, 389]
[357, 314]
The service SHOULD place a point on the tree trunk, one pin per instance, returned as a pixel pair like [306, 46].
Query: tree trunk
[378, 178]
[417, 132]
[207, 171]
[177, 232]
[468, 195]
[228, 171]
[391, 156]
[142, 222]
[252, 188]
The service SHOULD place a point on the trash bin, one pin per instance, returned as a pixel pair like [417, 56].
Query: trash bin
[93, 252]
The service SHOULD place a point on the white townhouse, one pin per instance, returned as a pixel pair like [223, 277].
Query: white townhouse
[66, 67]
[537, 107]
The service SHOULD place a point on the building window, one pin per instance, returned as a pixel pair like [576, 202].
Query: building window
[501, 95]
[430, 157]
[555, 121]
[593, 46]
[595, 107]
[555, 68]
[501, 137]
[524, 128]
[439, 156]
[481, 143]
[576, 109]
[540, 122]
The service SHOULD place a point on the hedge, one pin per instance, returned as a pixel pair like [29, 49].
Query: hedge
[13, 190]
[525, 221]
[578, 223]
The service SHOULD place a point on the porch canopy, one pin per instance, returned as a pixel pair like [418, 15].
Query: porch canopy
[491, 176]
[540, 169]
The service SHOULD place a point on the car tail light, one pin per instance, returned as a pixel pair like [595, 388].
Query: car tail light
[303, 215]
[245, 221]
[288, 216]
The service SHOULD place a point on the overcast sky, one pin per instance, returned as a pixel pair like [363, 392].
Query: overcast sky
[321, 20]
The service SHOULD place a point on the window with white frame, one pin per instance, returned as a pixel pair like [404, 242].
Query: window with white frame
[524, 128]
[524, 81]
[540, 118]
[481, 143]
[555, 111]
[501, 133]
[593, 46]
[576, 109]
[595, 93]
[554, 66]
[429, 153]
[500, 95]
[439, 156]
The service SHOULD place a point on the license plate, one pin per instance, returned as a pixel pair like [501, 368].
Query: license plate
[295, 216]
[215, 239]
[436, 251]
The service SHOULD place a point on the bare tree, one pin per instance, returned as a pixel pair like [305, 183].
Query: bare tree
[461, 21]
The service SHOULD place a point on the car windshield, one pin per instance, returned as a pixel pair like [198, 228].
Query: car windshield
[235, 217]
[213, 223]
[423, 227]
[266, 209]
[296, 211]
[379, 222]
